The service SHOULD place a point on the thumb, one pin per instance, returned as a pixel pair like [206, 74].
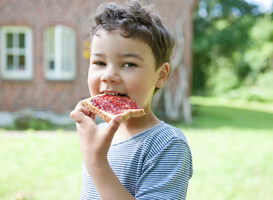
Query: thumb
[113, 126]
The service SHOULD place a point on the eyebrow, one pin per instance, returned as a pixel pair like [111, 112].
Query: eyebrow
[98, 54]
[123, 55]
[132, 55]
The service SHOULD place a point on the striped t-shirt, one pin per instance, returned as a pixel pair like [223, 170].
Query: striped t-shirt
[154, 164]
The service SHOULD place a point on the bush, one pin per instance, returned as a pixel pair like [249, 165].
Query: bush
[233, 54]
[222, 78]
[23, 123]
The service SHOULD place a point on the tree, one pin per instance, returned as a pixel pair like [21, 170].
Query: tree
[226, 53]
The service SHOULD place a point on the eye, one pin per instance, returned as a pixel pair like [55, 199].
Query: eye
[128, 65]
[99, 63]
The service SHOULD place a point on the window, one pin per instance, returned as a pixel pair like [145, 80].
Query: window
[16, 53]
[59, 48]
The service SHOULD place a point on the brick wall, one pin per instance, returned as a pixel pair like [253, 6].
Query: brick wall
[61, 96]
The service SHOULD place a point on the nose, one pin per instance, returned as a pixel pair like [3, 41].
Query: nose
[111, 75]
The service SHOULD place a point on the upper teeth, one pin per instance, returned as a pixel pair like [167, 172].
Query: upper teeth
[111, 93]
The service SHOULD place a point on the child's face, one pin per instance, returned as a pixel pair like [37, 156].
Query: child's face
[122, 65]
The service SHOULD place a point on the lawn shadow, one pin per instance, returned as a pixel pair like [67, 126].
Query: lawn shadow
[208, 116]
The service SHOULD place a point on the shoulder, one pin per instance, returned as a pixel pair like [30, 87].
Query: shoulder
[165, 138]
[165, 133]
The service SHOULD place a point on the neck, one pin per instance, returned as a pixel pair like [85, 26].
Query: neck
[134, 126]
[142, 123]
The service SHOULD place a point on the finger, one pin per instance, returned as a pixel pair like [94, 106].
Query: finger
[80, 112]
[113, 126]
[85, 110]
[77, 116]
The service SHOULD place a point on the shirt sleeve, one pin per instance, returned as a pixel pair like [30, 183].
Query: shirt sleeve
[166, 175]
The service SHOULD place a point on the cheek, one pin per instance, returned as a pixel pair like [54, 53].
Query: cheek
[91, 80]
[142, 85]
[90, 84]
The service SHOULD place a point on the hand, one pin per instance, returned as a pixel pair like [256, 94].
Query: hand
[94, 142]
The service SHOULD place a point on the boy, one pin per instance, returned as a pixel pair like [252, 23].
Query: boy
[141, 158]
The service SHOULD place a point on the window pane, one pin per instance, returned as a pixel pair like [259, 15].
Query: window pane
[10, 62]
[9, 40]
[49, 49]
[66, 65]
[22, 40]
[15, 40]
[67, 52]
[51, 42]
[22, 62]
[64, 49]
[51, 65]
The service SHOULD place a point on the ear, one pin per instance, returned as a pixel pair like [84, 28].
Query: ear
[162, 74]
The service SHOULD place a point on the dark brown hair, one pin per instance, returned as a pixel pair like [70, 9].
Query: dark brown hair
[135, 21]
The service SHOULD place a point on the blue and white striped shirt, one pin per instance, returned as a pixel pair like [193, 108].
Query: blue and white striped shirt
[154, 164]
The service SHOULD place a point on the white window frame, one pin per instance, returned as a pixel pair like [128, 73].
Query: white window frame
[64, 54]
[16, 74]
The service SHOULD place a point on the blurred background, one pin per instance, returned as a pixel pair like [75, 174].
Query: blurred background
[233, 49]
[220, 95]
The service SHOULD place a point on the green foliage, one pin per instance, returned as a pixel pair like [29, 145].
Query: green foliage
[221, 76]
[259, 54]
[261, 91]
[32, 123]
[233, 50]
[24, 123]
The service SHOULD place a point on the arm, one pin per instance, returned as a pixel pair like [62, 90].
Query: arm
[94, 144]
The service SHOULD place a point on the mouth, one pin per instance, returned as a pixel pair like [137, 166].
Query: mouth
[113, 93]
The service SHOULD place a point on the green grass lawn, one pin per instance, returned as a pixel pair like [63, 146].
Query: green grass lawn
[39, 167]
[232, 147]
[231, 143]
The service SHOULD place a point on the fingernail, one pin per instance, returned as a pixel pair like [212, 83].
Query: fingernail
[119, 119]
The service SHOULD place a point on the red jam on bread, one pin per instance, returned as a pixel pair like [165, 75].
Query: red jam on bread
[114, 104]
[106, 106]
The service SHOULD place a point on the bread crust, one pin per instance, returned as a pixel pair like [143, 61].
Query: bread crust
[105, 116]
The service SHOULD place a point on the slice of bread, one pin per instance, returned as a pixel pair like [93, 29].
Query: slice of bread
[107, 116]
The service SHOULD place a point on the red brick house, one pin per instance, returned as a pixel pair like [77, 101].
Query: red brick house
[44, 50]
